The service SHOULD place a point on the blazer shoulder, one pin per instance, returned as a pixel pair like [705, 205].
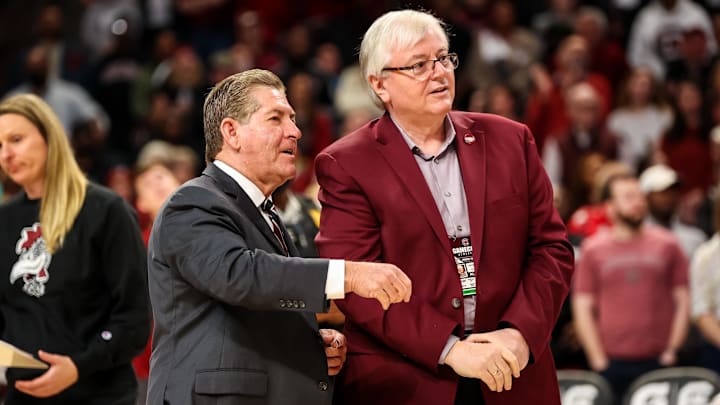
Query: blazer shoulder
[489, 123]
[200, 190]
[361, 140]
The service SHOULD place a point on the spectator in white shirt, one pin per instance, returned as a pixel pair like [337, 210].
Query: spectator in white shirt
[641, 118]
[705, 294]
[656, 33]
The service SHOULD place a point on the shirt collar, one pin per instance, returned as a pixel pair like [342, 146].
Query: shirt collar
[449, 135]
[245, 184]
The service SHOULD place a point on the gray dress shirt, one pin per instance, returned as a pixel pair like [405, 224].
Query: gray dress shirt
[444, 179]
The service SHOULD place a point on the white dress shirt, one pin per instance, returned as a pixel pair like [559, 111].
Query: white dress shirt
[335, 282]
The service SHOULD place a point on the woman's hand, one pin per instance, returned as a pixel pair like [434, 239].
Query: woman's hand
[61, 374]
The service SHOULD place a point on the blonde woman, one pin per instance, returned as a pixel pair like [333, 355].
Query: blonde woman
[72, 269]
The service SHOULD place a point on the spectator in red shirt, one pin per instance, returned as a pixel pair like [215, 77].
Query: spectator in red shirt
[546, 108]
[686, 146]
[630, 292]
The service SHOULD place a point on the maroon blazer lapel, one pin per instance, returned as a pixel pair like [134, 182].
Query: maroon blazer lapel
[470, 141]
[399, 157]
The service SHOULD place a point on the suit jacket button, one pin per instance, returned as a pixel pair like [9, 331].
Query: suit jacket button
[323, 386]
[456, 302]
[302, 304]
[282, 303]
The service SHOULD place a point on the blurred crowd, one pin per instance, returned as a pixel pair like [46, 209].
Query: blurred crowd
[609, 87]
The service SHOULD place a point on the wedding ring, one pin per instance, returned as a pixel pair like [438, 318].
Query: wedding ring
[495, 372]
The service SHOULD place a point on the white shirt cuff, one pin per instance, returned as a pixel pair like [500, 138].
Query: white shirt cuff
[450, 342]
[335, 282]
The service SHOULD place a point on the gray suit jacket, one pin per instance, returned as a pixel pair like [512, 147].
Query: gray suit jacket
[234, 318]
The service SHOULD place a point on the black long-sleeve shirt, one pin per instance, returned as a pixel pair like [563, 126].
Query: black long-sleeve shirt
[88, 300]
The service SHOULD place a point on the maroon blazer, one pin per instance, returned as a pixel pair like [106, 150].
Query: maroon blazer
[378, 207]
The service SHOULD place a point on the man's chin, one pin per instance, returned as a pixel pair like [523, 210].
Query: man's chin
[633, 223]
[632, 220]
[290, 175]
[442, 107]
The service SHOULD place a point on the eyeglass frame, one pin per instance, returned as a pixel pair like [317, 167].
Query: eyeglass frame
[449, 57]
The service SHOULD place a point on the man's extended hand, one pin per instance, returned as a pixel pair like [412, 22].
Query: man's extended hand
[383, 282]
[335, 350]
[61, 374]
[491, 362]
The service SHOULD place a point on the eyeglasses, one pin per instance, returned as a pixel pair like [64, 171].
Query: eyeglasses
[422, 68]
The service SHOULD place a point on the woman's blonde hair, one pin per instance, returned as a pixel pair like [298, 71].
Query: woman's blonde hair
[65, 185]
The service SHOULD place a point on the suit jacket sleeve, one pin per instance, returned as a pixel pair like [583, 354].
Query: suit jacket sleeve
[545, 280]
[349, 229]
[198, 237]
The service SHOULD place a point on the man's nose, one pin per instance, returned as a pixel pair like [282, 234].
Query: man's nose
[292, 131]
[438, 69]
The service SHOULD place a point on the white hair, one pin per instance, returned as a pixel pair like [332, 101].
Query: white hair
[393, 31]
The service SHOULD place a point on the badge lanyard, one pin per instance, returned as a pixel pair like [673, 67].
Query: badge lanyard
[462, 251]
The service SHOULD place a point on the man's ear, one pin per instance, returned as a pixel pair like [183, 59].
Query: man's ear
[377, 84]
[229, 128]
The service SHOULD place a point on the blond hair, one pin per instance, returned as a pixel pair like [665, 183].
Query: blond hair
[232, 98]
[64, 185]
[395, 30]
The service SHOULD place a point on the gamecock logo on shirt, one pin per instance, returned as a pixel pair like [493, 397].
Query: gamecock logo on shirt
[33, 261]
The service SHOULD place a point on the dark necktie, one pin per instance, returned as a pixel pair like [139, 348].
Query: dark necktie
[268, 208]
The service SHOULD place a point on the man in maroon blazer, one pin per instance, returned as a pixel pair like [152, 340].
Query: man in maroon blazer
[462, 203]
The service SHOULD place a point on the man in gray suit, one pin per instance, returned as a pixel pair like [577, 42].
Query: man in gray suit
[234, 312]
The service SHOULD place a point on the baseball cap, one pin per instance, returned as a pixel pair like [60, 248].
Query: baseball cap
[658, 178]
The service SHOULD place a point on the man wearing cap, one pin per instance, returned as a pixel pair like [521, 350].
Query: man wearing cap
[661, 186]
[630, 292]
